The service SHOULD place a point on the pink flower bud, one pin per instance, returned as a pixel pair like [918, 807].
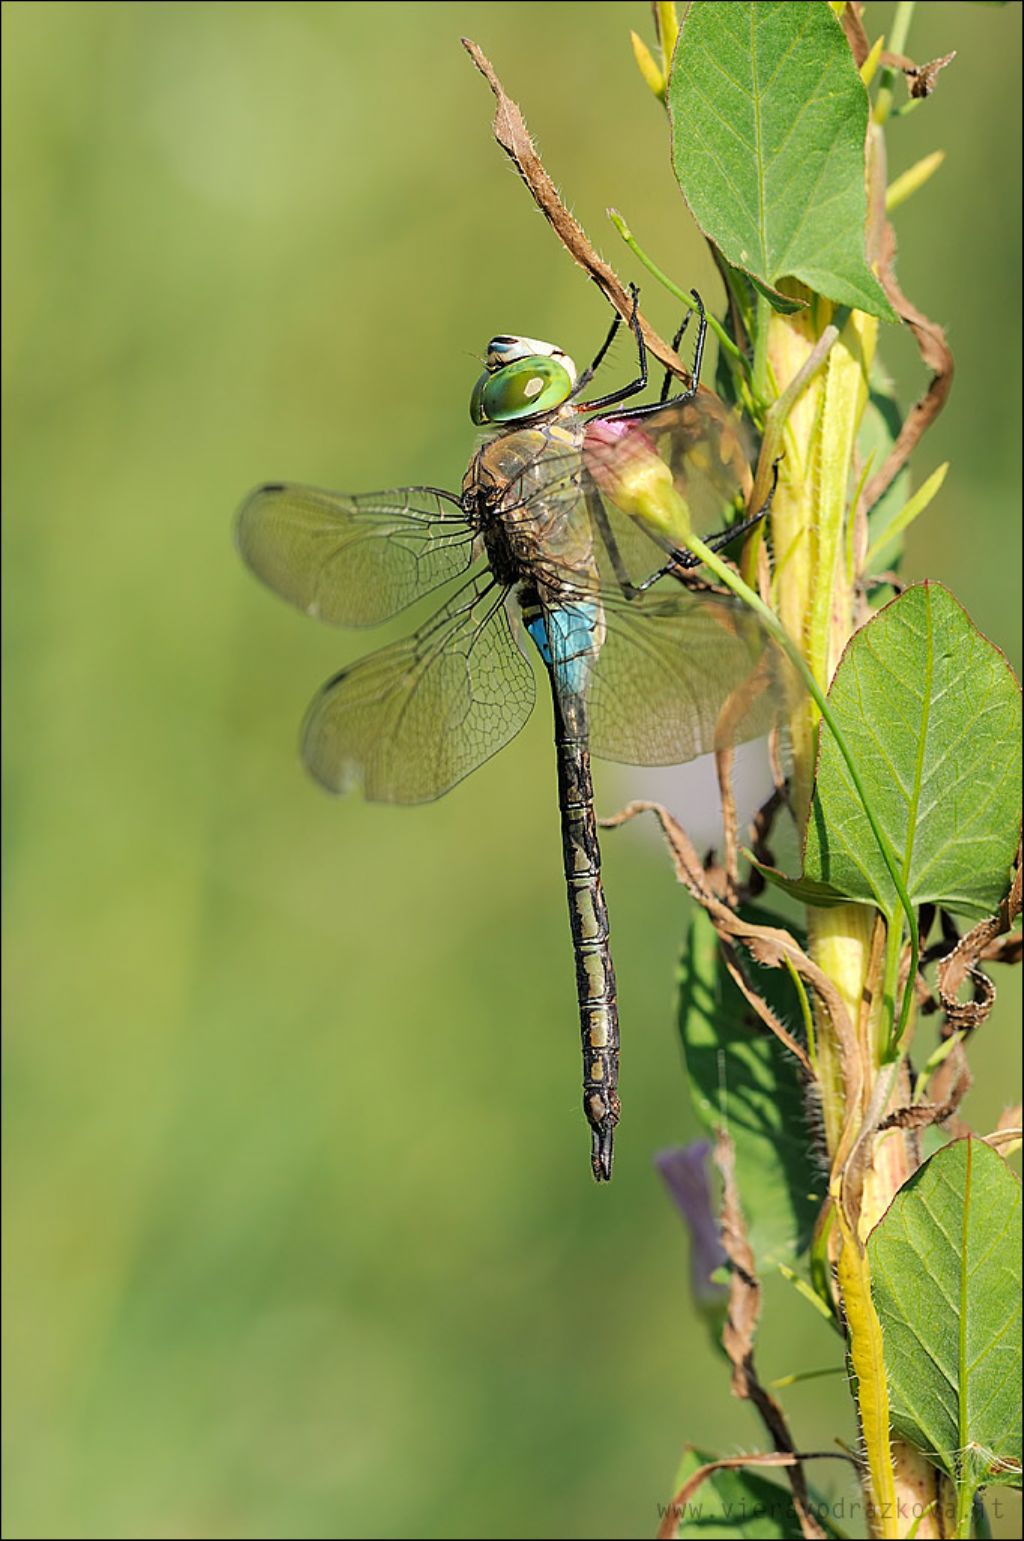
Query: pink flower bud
[626, 466]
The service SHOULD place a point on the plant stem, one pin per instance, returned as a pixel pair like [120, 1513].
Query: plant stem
[778, 413]
[890, 978]
[805, 1012]
[762, 380]
[725, 342]
[897, 43]
[778, 632]
[964, 1511]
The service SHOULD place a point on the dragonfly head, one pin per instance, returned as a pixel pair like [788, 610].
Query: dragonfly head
[522, 378]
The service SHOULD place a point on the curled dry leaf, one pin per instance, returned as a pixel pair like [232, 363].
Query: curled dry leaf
[763, 1010]
[857, 38]
[514, 137]
[922, 77]
[770, 946]
[972, 1013]
[989, 941]
[881, 245]
[983, 941]
[855, 1150]
[675, 1511]
[922, 1115]
[1007, 1136]
[1004, 949]
[936, 356]
[950, 1085]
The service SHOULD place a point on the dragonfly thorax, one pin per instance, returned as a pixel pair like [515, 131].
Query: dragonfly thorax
[522, 378]
[522, 494]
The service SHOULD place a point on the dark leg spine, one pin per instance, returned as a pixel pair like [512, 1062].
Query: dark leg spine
[588, 917]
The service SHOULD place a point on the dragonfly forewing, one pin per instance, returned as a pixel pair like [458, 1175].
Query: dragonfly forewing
[353, 561]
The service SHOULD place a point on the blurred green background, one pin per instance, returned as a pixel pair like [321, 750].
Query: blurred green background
[301, 1238]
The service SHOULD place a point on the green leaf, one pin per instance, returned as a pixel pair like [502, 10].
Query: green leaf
[946, 1278]
[931, 711]
[742, 1077]
[817, 896]
[736, 1502]
[783, 304]
[769, 119]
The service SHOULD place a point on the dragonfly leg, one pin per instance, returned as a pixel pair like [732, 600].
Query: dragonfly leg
[596, 510]
[678, 559]
[588, 374]
[637, 385]
[666, 384]
[689, 391]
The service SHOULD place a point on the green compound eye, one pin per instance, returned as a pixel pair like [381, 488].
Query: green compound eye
[523, 388]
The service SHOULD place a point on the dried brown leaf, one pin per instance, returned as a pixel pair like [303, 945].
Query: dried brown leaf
[922, 1115]
[857, 38]
[771, 946]
[936, 356]
[961, 964]
[675, 1510]
[922, 77]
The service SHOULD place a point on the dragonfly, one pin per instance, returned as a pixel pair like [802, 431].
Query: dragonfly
[566, 539]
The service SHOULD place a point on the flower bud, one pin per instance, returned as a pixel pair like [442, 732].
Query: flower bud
[626, 466]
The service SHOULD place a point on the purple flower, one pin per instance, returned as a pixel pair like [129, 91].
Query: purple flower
[685, 1173]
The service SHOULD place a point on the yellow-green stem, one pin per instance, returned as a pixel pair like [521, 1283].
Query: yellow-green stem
[732, 580]
[844, 397]
[897, 43]
[762, 377]
[789, 446]
[840, 943]
[725, 342]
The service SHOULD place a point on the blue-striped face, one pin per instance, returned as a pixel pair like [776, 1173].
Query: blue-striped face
[522, 378]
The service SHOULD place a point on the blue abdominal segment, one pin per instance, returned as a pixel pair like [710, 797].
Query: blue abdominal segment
[565, 641]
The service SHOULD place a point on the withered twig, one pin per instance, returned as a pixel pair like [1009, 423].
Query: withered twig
[514, 137]
[857, 38]
[741, 1329]
[770, 946]
[921, 78]
[674, 1511]
[962, 963]
[935, 354]
[724, 759]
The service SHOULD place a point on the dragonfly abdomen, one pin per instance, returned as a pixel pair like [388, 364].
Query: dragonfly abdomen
[595, 973]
